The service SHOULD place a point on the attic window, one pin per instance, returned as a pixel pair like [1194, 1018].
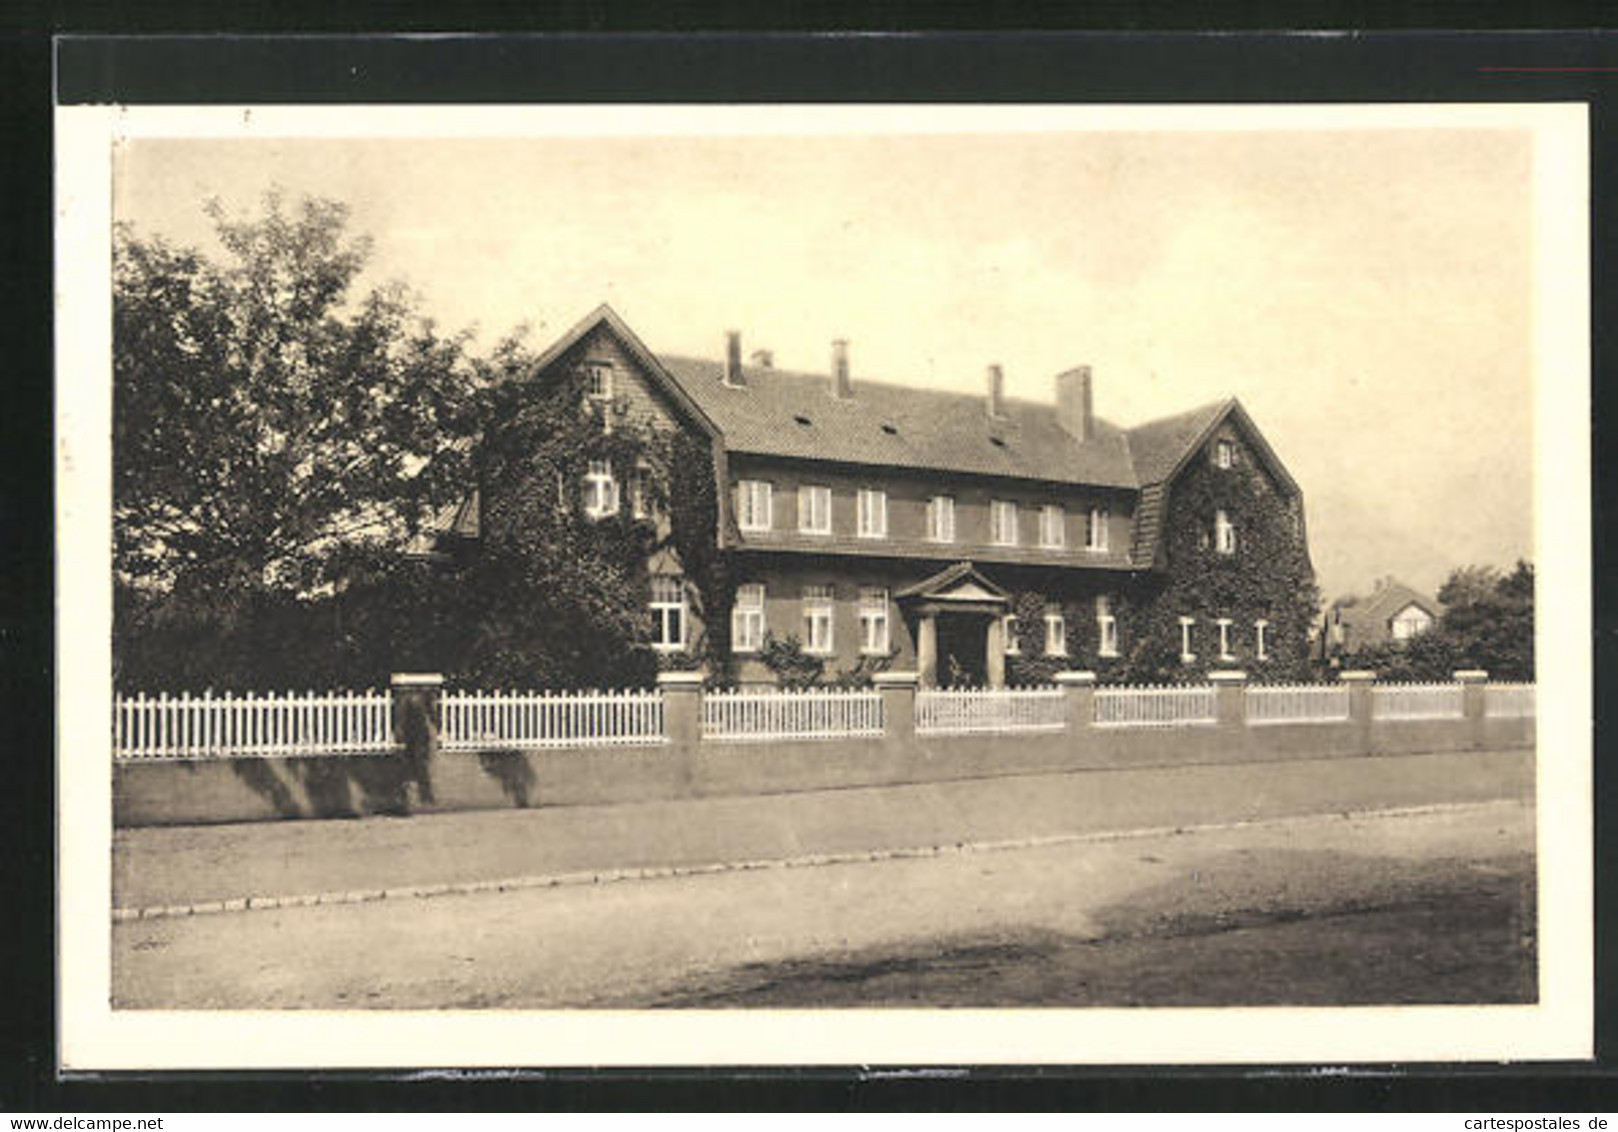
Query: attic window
[803, 420]
[997, 442]
[890, 430]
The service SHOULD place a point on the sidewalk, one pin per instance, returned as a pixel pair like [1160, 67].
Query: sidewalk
[157, 866]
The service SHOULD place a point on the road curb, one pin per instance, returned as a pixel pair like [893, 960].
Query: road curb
[809, 860]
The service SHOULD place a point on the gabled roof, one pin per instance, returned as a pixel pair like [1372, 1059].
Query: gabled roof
[1160, 448]
[1376, 611]
[898, 426]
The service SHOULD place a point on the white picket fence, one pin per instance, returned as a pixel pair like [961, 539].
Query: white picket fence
[744, 714]
[1156, 706]
[251, 726]
[475, 721]
[1417, 701]
[965, 711]
[1509, 701]
[1297, 703]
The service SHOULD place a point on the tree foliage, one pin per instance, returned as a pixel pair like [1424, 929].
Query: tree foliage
[1487, 623]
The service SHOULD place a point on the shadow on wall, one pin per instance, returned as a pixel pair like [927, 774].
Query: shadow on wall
[514, 773]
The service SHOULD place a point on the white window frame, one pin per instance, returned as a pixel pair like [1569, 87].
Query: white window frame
[1224, 532]
[1002, 522]
[594, 370]
[637, 492]
[814, 502]
[1008, 632]
[1095, 529]
[1106, 627]
[1261, 642]
[747, 625]
[755, 505]
[874, 621]
[1053, 526]
[1224, 638]
[941, 518]
[1187, 641]
[871, 504]
[1055, 633]
[819, 608]
[1225, 453]
[662, 605]
[600, 490]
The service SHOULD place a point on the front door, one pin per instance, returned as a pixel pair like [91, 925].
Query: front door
[961, 651]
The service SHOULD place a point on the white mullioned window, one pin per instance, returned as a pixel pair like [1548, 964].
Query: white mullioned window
[1009, 630]
[1261, 639]
[598, 381]
[1106, 627]
[747, 618]
[1002, 522]
[941, 518]
[1095, 529]
[1224, 638]
[1055, 633]
[872, 505]
[669, 613]
[600, 490]
[1053, 526]
[1225, 453]
[874, 621]
[818, 607]
[1224, 532]
[638, 506]
[1187, 640]
[753, 505]
[814, 509]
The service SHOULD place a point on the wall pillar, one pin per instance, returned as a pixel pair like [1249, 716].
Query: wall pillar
[898, 705]
[682, 720]
[1359, 706]
[1474, 684]
[927, 651]
[1230, 692]
[1079, 694]
[994, 654]
[415, 728]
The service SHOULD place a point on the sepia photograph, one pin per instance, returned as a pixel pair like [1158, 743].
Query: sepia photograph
[931, 579]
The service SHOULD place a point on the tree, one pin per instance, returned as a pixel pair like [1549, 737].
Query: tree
[1488, 623]
[274, 429]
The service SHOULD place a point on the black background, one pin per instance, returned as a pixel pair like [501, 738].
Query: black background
[598, 52]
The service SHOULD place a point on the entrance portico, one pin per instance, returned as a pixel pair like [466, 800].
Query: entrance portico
[960, 627]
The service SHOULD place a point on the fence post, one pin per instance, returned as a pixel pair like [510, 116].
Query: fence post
[1359, 705]
[1230, 695]
[1474, 692]
[682, 720]
[1079, 699]
[898, 705]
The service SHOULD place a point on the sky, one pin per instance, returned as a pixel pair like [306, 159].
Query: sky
[1365, 293]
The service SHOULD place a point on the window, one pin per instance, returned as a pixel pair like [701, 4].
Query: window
[747, 619]
[873, 513]
[598, 381]
[1225, 453]
[600, 490]
[1052, 526]
[1412, 621]
[753, 505]
[1002, 523]
[1187, 643]
[1224, 533]
[638, 506]
[1224, 638]
[874, 621]
[1055, 633]
[1106, 627]
[668, 613]
[1009, 631]
[1095, 529]
[1261, 639]
[817, 619]
[814, 510]
[941, 518]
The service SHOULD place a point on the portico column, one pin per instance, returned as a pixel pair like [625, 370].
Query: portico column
[995, 653]
[927, 651]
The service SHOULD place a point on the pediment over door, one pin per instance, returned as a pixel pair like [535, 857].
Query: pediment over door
[960, 588]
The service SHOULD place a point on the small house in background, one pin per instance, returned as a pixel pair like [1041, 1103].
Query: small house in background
[1393, 612]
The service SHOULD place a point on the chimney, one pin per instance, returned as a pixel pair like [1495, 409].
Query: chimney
[841, 386]
[734, 376]
[1075, 410]
[763, 359]
[997, 392]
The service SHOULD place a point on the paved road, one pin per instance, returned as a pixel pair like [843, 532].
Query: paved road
[640, 943]
[186, 865]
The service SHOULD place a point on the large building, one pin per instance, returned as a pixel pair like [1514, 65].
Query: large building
[974, 538]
